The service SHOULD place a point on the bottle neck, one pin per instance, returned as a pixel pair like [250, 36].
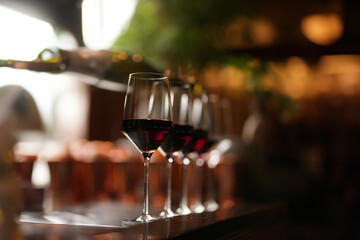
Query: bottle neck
[95, 63]
[102, 64]
[32, 65]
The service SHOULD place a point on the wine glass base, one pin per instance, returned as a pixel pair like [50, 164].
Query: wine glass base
[197, 208]
[183, 210]
[167, 214]
[211, 206]
[142, 219]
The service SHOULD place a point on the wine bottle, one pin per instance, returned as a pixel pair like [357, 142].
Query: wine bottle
[102, 64]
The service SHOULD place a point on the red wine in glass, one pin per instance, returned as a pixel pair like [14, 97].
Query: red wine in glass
[197, 141]
[179, 138]
[208, 145]
[147, 134]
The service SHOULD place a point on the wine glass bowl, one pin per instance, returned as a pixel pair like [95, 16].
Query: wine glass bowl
[180, 93]
[147, 122]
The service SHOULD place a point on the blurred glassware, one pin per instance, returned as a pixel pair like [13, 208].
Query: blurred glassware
[221, 128]
[196, 144]
[227, 168]
[209, 114]
[56, 155]
[181, 96]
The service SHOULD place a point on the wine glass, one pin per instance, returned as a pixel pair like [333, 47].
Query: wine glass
[216, 134]
[147, 121]
[210, 124]
[180, 93]
[196, 143]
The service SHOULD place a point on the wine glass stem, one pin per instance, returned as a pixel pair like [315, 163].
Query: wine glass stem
[168, 190]
[145, 211]
[184, 198]
[198, 172]
[211, 184]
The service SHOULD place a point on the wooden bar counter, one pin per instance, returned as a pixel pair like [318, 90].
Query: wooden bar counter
[103, 221]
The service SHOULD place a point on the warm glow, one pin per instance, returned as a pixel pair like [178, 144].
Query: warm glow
[332, 75]
[298, 77]
[349, 83]
[233, 77]
[262, 32]
[216, 77]
[294, 78]
[244, 32]
[211, 76]
[336, 64]
[342, 71]
[322, 29]
[136, 58]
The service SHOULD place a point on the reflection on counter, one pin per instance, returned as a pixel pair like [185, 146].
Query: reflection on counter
[239, 222]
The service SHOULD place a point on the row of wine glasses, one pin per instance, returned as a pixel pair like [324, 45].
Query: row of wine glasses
[178, 121]
[181, 98]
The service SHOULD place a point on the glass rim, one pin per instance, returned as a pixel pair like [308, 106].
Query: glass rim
[148, 76]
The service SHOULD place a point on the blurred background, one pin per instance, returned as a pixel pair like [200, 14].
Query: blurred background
[290, 72]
